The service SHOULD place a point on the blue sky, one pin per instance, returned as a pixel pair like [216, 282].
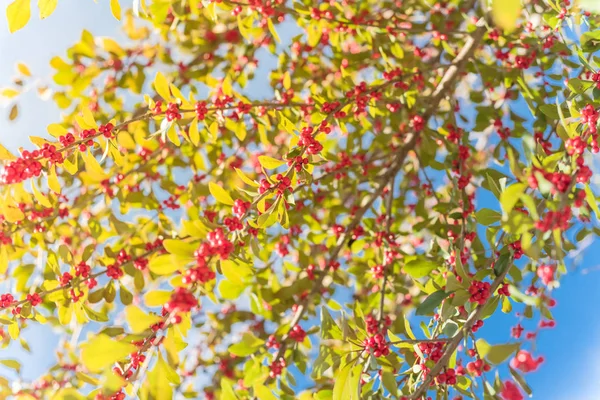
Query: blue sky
[571, 370]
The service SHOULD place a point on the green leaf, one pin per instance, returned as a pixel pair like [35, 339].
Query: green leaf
[227, 392]
[521, 381]
[248, 345]
[329, 328]
[432, 301]
[389, 382]
[230, 290]
[270, 162]
[236, 273]
[510, 196]
[549, 111]
[506, 13]
[591, 200]
[139, 320]
[496, 354]
[102, 352]
[486, 217]
[95, 315]
[160, 379]
[590, 41]
[220, 194]
[18, 14]
[341, 378]
[501, 264]
[262, 392]
[420, 267]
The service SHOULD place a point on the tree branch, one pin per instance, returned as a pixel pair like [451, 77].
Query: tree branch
[442, 89]
[455, 341]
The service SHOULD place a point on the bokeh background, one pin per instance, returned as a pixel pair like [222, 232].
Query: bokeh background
[571, 349]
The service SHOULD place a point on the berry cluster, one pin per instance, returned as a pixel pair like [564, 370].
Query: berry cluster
[510, 391]
[114, 271]
[297, 333]
[555, 220]
[447, 377]
[182, 300]
[477, 326]
[545, 273]
[23, 168]
[377, 344]
[172, 113]
[276, 367]
[308, 141]
[240, 207]
[431, 351]
[480, 292]
[525, 362]
[477, 367]
[589, 115]
[216, 244]
[504, 290]
[6, 300]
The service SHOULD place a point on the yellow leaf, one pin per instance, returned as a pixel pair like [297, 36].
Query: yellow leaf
[138, 320]
[9, 93]
[157, 298]
[179, 247]
[17, 14]
[12, 213]
[162, 86]
[93, 167]
[263, 393]
[43, 200]
[220, 194]
[226, 87]
[89, 119]
[273, 31]
[269, 162]
[56, 130]
[53, 183]
[115, 8]
[177, 93]
[6, 155]
[213, 129]
[38, 141]
[163, 265]
[240, 131]
[506, 13]
[246, 180]
[46, 7]
[101, 352]
[193, 132]
[287, 80]
[173, 136]
[71, 167]
[23, 69]
[14, 112]
[13, 330]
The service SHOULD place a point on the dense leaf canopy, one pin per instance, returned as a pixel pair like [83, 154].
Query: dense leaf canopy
[298, 200]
